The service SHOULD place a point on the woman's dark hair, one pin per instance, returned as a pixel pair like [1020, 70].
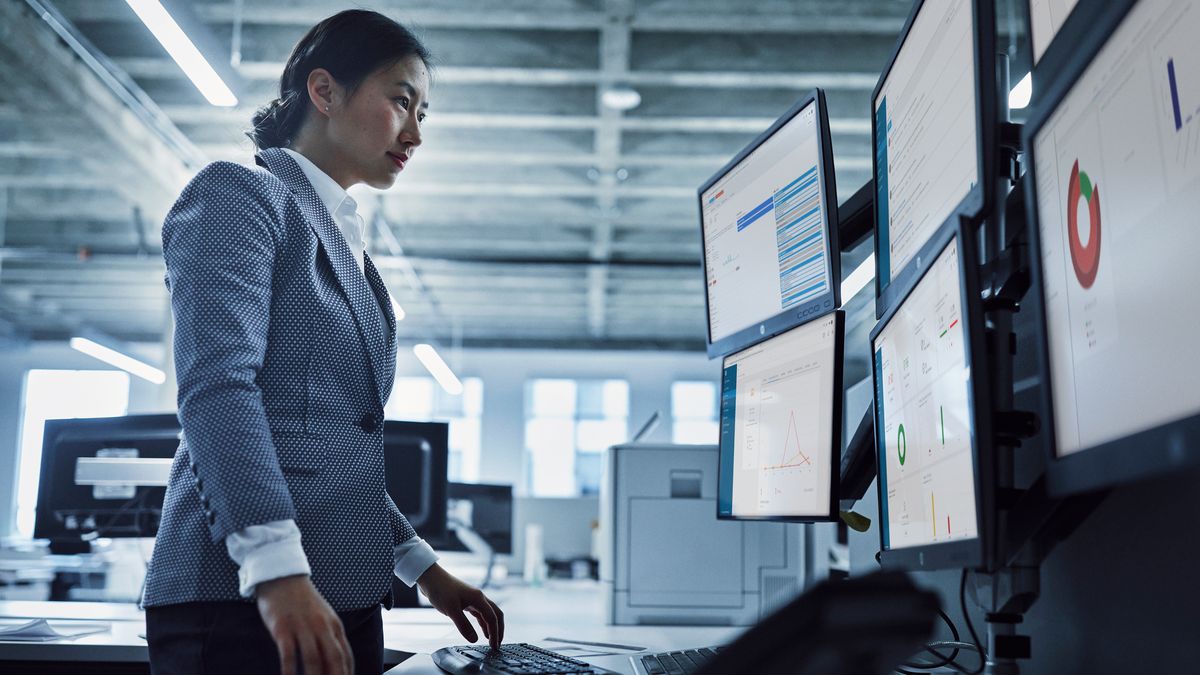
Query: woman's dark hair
[351, 45]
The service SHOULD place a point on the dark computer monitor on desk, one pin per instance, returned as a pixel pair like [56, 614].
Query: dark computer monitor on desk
[1113, 198]
[768, 223]
[933, 130]
[781, 426]
[415, 457]
[932, 415]
[72, 508]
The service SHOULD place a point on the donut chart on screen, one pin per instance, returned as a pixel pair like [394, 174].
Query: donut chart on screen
[1084, 258]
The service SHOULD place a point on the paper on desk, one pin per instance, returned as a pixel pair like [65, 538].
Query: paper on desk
[40, 630]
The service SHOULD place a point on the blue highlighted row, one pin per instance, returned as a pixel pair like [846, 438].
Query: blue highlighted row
[758, 212]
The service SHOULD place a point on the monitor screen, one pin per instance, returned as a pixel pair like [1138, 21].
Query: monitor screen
[1116, 166]
[1045, 18]
[924, 422]
[781, 425]
[765, 221]
[926, 130]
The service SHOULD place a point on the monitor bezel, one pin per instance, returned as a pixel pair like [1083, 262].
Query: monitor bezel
[839, 350]
[1144, 454]
[975, 552]
[977, 202]
[811, 309]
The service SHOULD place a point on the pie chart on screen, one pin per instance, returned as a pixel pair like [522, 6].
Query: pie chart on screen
[1085, 258]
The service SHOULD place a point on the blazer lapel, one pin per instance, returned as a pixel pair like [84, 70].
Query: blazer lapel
[353, 284]
[385, 304]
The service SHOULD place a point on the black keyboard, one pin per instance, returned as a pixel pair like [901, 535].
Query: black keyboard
[512, 659]
[676, 663]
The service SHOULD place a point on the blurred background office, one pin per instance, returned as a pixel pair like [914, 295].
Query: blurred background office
[542, 250]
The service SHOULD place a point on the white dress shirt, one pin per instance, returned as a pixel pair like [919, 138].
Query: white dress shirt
[272, 550]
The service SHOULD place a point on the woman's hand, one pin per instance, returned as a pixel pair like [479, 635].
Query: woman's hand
[452, 597]
[298, 618]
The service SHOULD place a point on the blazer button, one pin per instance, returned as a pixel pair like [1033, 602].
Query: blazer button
[205, 503]
[195, 468]
[199, 484]
[212, 516]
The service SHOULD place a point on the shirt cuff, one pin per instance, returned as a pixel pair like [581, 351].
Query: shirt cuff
[266, 552]
[412, 558]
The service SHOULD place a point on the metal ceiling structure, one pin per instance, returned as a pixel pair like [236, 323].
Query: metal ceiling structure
[532, 216]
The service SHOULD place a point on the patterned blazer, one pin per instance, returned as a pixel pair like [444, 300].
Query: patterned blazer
[284, 362]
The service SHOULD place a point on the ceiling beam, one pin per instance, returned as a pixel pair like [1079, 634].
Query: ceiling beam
[160, 68]
[813, 17]
[197, 114]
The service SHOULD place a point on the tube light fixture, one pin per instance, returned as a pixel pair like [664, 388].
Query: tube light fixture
[859, 279]
[180, 47]
[116, 358]
[437, 367]
[1022, 94]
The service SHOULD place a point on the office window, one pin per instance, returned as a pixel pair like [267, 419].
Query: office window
[60, 394]
[694, 413]
[421, 399]
[568, 425]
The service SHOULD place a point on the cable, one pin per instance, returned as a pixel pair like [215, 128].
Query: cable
[962, 601]
[943, 660]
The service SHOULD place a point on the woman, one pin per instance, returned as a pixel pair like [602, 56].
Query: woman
[278, 540]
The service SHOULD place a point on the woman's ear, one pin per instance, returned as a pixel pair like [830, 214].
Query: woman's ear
[322, 90]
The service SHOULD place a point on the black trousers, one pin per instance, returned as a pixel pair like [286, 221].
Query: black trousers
[229, 638]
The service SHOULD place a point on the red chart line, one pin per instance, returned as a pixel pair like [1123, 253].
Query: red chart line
[793, 434]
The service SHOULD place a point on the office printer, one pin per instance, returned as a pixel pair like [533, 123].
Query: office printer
[666, 559]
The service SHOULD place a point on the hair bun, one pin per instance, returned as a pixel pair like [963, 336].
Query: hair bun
[270, 125]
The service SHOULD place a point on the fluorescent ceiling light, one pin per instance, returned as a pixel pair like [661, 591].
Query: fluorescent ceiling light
[1022, 94]
[177, 44]
[621, 98]
[859, 279]
[115, 358]
[437, 367]
[396, 308]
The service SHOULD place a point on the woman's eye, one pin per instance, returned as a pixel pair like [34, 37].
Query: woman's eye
[403, 101]
[421, 117]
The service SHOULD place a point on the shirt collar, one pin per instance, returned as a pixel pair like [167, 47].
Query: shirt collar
[331, 194]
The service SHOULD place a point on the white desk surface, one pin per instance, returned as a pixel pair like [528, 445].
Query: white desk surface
[564, 609]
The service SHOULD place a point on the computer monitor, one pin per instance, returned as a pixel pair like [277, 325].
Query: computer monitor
[768, 224]
[1045, 18]
[932, 416]
[781, 426]
[415, 456]
[486, 509]
[70, 512]
[933, 125]
[1114, 189]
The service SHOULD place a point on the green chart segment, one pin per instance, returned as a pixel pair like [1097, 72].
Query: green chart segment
[901, 444]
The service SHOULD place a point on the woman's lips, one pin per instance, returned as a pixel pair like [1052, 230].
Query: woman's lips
[398, 160]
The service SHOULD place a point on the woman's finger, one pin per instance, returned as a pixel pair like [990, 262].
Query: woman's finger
[464, 626]
[310, 653]
[499, 620]
[287, 653]
[487, 615]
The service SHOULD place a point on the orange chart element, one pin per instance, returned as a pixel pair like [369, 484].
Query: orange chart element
[1085, 259]
[793, 456]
